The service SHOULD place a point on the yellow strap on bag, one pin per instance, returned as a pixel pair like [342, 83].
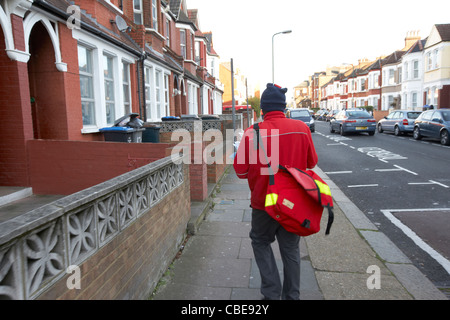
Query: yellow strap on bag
[323, 188]
[271, 199]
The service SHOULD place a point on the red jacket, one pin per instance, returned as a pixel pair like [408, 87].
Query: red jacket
[286, 141]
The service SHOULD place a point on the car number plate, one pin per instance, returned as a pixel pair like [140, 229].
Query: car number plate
[361, 128]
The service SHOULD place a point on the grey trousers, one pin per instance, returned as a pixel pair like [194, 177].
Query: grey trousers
[263, 232]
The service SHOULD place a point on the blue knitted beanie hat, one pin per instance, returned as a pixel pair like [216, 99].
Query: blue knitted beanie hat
[273, 98]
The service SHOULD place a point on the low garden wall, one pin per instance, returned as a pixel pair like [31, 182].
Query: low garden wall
[110, 241]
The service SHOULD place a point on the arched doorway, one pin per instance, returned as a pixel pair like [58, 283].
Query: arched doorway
[46, 87]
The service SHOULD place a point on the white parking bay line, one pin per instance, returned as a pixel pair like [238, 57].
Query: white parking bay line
[363, 185]
[438, 183]
[405, 169]
[398, 168]
[429, 182]
[338, 172]
[414, 237]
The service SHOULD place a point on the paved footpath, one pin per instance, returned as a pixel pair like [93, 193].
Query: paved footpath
[355, 262]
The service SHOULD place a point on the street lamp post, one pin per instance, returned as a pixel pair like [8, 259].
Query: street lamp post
[273, 69]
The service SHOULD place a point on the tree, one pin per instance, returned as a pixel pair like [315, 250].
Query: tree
[255, 103]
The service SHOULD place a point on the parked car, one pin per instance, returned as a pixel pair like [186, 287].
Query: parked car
[331, 114]
[303, 115]
[399, 122]
[353, 121]
[322, 115]
[433, 124]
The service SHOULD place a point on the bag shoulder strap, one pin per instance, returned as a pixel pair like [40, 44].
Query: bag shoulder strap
[258, 140]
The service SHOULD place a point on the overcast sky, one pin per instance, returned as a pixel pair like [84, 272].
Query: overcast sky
[324, 32]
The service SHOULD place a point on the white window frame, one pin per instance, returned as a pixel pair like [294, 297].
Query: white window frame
[158, 92]
[429, 61]
[90, 76]
[435, 58]
[108, 80]
[414, 101]
[157, 98]
[192, 98]
[98, 49]
[405, 70]
[138, 12]
[416, 70]
[391, 77]
[168, 32]
[155, 14]
[166, 80]
[126, 85]
[183, 43]
[148, 81]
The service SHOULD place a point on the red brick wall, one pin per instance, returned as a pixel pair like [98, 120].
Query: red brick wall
[15, 112]
[66, 167]
[130, 266]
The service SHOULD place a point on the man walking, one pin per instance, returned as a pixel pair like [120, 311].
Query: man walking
[287, 142]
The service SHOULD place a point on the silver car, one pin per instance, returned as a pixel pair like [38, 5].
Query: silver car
[399, 122]
[353, 121]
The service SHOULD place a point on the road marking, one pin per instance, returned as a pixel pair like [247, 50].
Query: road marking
[429, 182]
[405, 169]
[414, 237]
[381, 154]
[338, 172]
[441, 184]
[333, 144]
[363, 185]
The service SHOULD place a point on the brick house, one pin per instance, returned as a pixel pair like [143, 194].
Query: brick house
[409, 78]
[70, 68]
[436, 81]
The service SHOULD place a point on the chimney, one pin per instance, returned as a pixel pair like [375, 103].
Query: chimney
[411, 38]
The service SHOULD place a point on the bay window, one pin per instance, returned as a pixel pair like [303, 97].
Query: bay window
[108, 78]
[86, 85]
[183, 43]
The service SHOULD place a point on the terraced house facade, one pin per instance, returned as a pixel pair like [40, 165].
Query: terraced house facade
[416, 76]
[70, 68]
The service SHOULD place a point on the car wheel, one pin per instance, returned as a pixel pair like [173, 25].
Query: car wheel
[371, 133]
[416, 133]
[397, 131]
[341, 131]
[380, 130]
[445, 139]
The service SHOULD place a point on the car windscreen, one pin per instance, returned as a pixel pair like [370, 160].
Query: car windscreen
[299, 113]
[358, 114]
[413, 115]
[446, 115]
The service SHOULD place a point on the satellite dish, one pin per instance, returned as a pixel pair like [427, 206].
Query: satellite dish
[121, 24]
